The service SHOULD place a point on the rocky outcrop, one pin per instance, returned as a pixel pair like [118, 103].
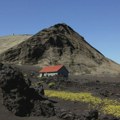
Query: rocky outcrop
[19, 98]
[87, 115]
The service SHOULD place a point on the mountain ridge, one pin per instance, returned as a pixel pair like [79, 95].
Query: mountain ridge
[9, 41]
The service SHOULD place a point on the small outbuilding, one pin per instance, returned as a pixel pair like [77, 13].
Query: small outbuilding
[54, 70]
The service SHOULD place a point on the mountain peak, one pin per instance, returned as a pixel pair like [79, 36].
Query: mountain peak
[64, 25]
[63, 28]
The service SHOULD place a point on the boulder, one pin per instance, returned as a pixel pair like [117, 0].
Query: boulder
[19, 98]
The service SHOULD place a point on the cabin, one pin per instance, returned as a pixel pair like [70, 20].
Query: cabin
[57, 70]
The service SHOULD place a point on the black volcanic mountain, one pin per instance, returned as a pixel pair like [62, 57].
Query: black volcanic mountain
[60, 44]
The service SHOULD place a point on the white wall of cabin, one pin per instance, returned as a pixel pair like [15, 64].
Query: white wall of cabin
[47, 74]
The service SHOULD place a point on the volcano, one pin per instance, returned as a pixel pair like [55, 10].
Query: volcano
[60, 44]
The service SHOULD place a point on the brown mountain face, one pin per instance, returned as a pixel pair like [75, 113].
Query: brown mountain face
[60, 44]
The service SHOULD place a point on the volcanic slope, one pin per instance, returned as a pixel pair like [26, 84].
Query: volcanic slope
[60, 44]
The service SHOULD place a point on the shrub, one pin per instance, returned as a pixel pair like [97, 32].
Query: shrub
[51, 85]
[37, 84]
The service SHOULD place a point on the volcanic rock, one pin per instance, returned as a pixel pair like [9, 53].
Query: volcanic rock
[19, 98]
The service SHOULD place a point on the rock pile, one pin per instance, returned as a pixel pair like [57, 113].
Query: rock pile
[87, 115]
[19, 98]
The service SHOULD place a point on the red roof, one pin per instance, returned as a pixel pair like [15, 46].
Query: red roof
[51, 68]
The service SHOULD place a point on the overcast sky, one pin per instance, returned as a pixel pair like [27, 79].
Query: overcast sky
[98, 21]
